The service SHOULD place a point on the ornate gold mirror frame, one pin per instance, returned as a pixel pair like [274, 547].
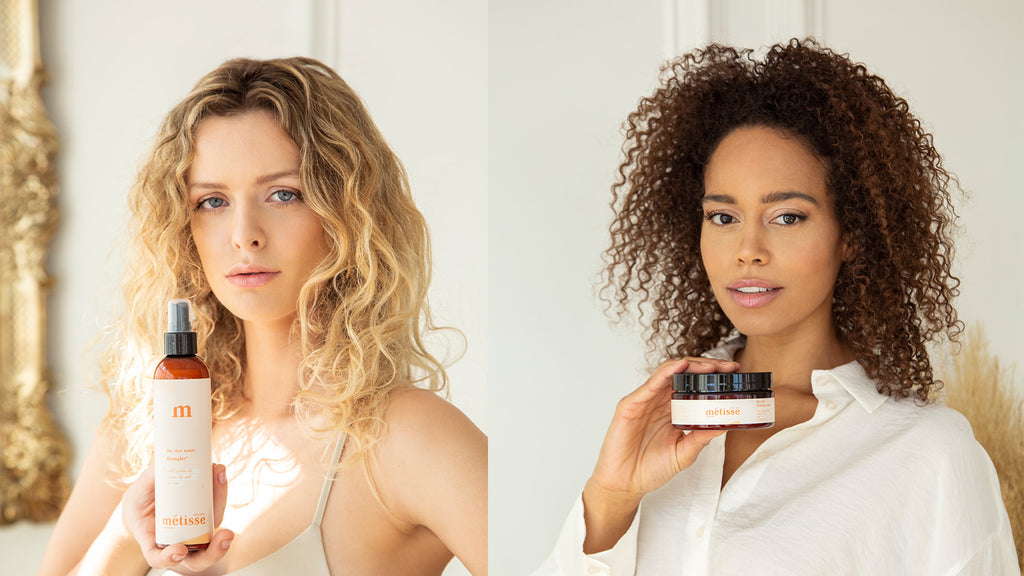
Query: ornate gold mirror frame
[33, 452]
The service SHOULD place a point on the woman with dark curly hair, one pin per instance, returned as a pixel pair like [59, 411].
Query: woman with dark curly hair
[787, 215]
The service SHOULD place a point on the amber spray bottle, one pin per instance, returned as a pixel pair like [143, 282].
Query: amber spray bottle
[182, 437]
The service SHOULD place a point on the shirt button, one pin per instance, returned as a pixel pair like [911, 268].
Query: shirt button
[594, 570]
[830, 404]
[700, 532]
[762, 457]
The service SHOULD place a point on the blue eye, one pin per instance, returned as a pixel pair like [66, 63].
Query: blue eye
[285, 195]
[211, 203]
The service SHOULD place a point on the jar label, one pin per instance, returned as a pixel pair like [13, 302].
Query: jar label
[182, 453]
[723, 412]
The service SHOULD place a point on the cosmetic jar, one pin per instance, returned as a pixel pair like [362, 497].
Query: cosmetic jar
[733, 401]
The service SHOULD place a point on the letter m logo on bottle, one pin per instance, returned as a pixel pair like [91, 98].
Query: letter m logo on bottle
[182, 411]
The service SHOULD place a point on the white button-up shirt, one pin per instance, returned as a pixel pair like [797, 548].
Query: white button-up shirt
[867, 486]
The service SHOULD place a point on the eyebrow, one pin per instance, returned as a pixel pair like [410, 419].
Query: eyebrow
[770, 198]
[265, 179]
[275, 176]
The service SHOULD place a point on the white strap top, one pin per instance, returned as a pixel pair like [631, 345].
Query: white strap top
[305, 553]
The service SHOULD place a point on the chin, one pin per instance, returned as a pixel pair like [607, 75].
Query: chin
[258, 310]
[757, 324]
[774, 320]
[264, 316]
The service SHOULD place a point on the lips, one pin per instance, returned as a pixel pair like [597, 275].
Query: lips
[753, 293]
[251, 275]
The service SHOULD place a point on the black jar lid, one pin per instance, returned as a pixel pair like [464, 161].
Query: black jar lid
[722, 382]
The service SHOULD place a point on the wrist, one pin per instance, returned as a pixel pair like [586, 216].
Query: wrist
[609, 501]
[115, 551]
[607, 516]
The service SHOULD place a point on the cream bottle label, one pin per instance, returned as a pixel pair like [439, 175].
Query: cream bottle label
[182, 452]
[723, 412]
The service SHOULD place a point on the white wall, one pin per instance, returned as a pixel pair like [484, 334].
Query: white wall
[564, 75]
[421, 68]
[117, 67]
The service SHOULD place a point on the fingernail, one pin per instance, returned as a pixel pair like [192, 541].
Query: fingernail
[224, 545]
[177, 557]
[222, 477]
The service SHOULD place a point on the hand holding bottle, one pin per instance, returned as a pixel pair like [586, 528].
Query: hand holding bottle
[641, 452]
[139, 516]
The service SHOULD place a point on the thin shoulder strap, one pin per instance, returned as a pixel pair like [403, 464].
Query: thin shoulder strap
[321, 505]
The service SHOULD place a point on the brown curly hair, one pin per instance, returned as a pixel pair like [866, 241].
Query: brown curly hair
[892, 198]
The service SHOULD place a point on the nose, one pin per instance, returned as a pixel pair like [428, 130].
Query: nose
[247, 232]
[752, 248]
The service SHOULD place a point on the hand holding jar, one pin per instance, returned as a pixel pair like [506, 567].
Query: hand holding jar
[642, 451]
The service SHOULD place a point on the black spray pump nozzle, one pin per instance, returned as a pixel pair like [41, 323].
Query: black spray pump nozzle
[179, 340]
[179, 316]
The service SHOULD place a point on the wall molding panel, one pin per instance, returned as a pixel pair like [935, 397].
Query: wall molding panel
[325, 32]
[755, 24]
[687, 25]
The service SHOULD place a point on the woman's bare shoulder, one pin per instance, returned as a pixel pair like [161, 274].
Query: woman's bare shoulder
[422, 427]
[417, 408]
[431, 469]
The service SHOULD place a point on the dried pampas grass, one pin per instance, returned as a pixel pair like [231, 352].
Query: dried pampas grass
[993, 402]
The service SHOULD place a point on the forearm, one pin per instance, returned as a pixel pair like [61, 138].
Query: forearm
[115, 552]
[607, 517]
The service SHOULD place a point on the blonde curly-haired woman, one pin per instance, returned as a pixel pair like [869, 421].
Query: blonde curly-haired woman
[273, 203]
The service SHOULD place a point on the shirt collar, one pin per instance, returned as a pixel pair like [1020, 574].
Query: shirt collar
[851, 376]
[855, 381]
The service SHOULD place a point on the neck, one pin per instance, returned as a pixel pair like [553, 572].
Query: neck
[792, 357]
[271, 368]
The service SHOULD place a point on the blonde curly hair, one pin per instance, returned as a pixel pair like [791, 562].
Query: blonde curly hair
[362, 314]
